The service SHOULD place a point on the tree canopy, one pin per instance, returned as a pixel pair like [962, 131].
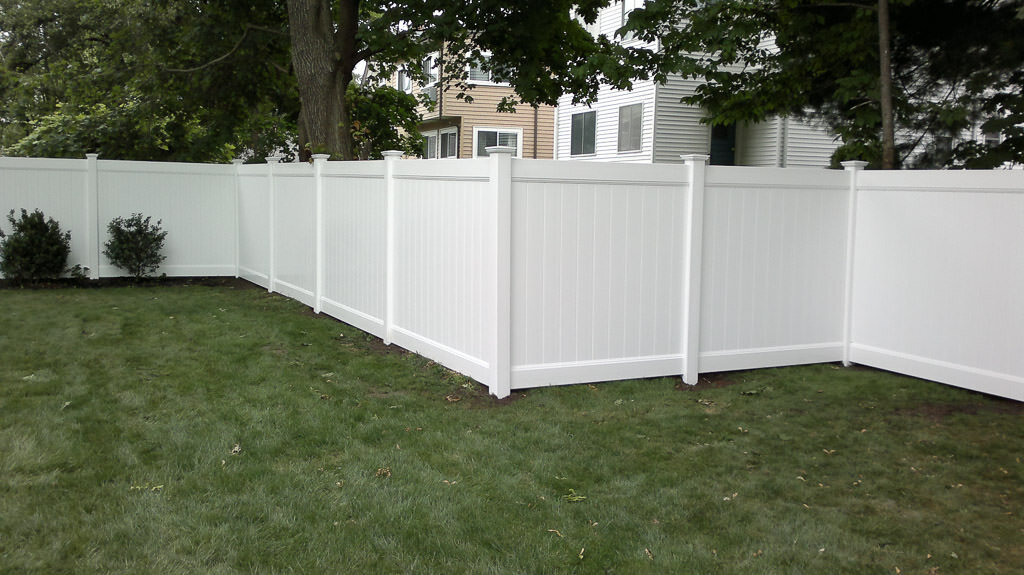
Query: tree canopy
[955, 64]
[129, 79]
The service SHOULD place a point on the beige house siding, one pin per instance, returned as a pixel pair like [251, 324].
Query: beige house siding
[537, 125]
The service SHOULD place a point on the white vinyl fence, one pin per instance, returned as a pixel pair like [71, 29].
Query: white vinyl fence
[526, 273]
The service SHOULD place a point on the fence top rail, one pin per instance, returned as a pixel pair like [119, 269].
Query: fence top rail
[793, 178]
[172, 168]
[54, 164]
[938, 181]
[471, 169]
[599, 173]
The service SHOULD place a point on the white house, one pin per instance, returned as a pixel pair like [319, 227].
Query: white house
[649, 124]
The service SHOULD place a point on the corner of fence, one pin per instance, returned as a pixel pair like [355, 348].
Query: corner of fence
[693, 266]
[853, 169]
[390, 157]
[501, 187]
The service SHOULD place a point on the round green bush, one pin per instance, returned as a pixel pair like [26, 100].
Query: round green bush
[135, 245]
[36, 249]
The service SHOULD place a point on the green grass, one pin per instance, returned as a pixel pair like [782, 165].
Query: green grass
[121, 410]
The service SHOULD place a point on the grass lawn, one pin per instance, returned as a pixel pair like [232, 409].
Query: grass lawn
[199, 429]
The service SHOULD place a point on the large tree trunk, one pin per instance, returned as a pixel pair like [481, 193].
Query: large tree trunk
[885, 88]
[322, 78]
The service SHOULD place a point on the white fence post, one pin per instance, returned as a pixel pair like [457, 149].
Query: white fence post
[853, 168]
[92, 214]
[271, 216]
[318, 290]
[501, 187]
[237, 163]
[390, 157]
[693, 267]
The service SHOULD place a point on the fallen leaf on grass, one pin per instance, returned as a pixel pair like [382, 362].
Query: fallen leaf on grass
[453, 398]
[649, 555]
[730, 497]
[556, 532]
[582, 549]
[574, 497]
[236, 449]
[383, 472]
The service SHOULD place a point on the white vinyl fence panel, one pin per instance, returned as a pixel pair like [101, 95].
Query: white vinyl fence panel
[253, 189]
[195, 204]
[597, 268]
[524, 273]
[355, 243]
[60, 189]
[294, 232]
[773, 267]
[939, 277]
[442, 283]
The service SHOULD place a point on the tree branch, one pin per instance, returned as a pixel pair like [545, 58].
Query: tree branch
[226, 55]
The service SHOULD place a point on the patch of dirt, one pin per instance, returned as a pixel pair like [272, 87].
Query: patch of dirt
[63, 283]
[709, 381]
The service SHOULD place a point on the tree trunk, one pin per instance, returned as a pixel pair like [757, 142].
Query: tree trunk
[885, 88]
[322, 79]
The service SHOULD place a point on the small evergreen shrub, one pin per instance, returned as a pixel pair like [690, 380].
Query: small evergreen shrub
[36, 249]
[135, 245]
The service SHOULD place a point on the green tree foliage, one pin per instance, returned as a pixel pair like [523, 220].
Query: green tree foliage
[536, 44]
[35, 249]
[384, 118]
[130, 79]
[955, 64]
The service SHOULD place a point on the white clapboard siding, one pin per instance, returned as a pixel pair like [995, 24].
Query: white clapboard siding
[808, 144]
[759, 144]
[678, 129]
[939, 277]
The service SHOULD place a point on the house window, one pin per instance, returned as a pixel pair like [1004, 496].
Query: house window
[443, 143]
[449, 144]
[584, 133]
[991, 138]
[631, 120]
[486, 137]
[430, 66]
[479, 72]
[627, 7]
[405, 81]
